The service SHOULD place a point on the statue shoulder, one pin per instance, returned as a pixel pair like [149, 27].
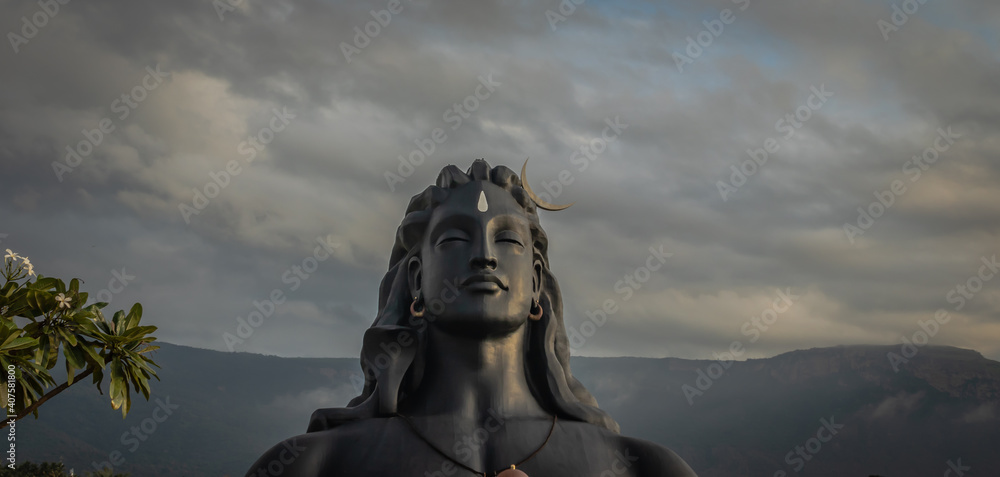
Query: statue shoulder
[294, 457]
[649, 459]
[627, 456]
[314, 453]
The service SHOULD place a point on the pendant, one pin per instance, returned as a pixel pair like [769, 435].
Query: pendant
[512, 472]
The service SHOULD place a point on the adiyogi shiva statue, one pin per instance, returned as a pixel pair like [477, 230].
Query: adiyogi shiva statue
[467, 365]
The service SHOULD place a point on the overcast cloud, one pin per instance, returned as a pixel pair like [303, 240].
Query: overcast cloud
[200, 77]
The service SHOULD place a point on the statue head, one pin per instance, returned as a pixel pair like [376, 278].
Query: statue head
[471, 250]
[475, 269]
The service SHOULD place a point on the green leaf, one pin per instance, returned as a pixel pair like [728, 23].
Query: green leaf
[42, 351]
[60, 286]
[117, 320]
[70, 373]
[143, 385]
[98, 379]
[8, 335]
[37, 301]
[46, 283]
[118, 389]
[32, 329]
[18, 343]
[95, 358]
[134, 315]
[8, 289]
[149, 348]
[50, 360]
[75, 356]
[138, 332]
[68, 335]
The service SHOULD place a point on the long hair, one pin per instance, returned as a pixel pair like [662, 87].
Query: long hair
[391, 355]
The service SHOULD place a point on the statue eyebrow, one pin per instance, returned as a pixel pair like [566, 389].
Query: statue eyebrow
[450, 222]
[508, 221]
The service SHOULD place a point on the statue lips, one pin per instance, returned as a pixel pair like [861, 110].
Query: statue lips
[486, 282]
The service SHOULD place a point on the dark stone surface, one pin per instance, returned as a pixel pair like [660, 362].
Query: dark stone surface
[479, 378]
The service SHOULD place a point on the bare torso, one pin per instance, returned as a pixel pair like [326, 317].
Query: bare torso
[388, 447]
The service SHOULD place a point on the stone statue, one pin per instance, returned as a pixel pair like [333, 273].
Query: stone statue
[467, 365]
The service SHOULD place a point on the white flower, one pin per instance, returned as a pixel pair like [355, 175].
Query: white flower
[11, 255]
[31, 268]
[63, 300]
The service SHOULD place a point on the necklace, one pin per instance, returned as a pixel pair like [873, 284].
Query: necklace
[511, 472]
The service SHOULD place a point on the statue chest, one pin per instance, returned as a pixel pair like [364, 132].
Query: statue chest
[574, 449]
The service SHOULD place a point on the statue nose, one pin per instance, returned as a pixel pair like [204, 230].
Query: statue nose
[483, 262]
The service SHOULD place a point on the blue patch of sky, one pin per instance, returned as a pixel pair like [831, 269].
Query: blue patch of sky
[943, 14]
[634, 8]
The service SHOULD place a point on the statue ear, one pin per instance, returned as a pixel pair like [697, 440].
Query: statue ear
[536, 279]
[413, 266]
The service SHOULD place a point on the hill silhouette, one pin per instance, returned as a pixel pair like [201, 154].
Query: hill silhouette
[213, 413]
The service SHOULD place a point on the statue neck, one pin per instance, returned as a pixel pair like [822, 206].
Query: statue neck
[471, 377]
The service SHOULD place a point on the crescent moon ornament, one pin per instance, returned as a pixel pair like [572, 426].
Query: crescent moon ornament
[538, 201]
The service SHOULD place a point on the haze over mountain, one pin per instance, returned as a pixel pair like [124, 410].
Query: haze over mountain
[759, 417]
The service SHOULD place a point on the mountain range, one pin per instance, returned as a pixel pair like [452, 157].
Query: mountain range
[840, 411]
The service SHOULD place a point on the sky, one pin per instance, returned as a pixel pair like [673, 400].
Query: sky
[782, 175]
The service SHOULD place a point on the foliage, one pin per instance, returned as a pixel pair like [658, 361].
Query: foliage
[54, 317]
[49, 469]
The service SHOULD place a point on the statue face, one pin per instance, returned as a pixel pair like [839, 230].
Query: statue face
[476, 272]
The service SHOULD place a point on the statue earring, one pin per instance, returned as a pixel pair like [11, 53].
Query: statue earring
[535, 315]
[413, 311]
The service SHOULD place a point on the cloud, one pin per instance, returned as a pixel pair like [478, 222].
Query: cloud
[984, 413]
[313, 399]
[324, 175]
[902, 403]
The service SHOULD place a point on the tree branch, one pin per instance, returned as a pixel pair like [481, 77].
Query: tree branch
[56, 390]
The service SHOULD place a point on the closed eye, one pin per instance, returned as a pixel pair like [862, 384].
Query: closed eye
[509, 237]
[452, 236]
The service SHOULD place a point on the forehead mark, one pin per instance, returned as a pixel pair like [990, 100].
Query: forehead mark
[482, 206]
